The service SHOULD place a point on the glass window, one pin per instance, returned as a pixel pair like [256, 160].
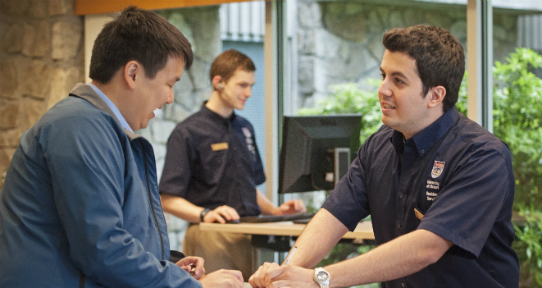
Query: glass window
[517, 114]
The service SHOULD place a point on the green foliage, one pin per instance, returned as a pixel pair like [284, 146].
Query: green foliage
[517, 110]
[462, 98]
[339, 253]
[529, 246]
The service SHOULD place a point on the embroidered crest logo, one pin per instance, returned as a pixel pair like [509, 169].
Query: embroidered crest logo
[437, 169]
[248, 139]
[246, 131]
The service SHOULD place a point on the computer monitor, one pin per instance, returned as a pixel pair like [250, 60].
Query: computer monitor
[315, 151]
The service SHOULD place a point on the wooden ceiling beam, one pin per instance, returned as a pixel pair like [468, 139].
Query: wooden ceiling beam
[86, 7]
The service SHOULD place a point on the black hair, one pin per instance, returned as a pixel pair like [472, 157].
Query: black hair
[139, 35]
[439, 56]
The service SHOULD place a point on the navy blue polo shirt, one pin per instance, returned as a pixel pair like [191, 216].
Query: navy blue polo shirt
[213, 161]
[459, 177]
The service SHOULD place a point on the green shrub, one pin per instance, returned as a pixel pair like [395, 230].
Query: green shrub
[517, 112]
[529, 247]
[517, 109]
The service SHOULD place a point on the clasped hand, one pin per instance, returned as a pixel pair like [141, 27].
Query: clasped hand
[271, 275]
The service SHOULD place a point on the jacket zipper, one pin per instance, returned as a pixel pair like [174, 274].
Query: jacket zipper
[150, 201]
[81, 279]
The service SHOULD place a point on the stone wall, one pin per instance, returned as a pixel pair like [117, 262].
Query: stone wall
[41, 59]
[340, 41]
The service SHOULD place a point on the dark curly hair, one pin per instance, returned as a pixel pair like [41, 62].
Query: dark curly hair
[439, 56]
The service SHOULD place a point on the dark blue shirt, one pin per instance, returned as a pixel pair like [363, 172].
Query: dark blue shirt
[455, 173]
[213, 161]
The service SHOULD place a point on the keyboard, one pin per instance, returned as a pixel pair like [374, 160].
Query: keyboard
[273, 218]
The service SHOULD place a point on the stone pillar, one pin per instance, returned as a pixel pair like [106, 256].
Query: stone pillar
[41, 59]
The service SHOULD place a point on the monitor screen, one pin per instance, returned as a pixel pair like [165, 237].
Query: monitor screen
[316, 151]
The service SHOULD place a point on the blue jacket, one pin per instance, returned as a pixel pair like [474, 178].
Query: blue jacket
[80, 205]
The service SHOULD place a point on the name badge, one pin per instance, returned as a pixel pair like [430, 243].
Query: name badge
[219, 146]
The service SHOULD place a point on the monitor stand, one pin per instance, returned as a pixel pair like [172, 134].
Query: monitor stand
[341, 162]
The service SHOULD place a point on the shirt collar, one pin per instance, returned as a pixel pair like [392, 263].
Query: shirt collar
[430, 136]
[112, 106]
[217, 117]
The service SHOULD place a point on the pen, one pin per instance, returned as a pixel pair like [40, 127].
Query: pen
[290, 256]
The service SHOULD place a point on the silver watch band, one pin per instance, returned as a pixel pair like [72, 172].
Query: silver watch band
[321, 277]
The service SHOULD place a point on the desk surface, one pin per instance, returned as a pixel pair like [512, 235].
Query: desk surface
[364, 230]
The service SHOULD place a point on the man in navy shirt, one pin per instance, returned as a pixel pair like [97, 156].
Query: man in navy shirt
[439, 188]
[213, 166]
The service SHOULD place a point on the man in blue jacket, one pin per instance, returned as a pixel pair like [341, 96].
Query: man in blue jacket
[80, 203]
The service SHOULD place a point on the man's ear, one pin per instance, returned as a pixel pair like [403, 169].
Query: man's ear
[132, 69]
[216, 81]
[436, 95]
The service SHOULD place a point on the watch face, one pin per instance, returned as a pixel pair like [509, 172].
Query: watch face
[322, 276]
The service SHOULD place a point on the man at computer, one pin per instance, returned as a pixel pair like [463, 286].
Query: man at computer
[439, 187]
[213, 166]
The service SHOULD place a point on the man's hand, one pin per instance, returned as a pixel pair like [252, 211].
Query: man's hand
[291, 207]
[223, 279]
[272, 275]
[191, 262]
[221, 214]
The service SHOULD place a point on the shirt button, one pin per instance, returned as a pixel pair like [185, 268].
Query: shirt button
[401, 196]
[423, 152]
[403, 284]
[398, 226]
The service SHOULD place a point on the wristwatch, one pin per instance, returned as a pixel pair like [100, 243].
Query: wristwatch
[321, 277]
[203, 213]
